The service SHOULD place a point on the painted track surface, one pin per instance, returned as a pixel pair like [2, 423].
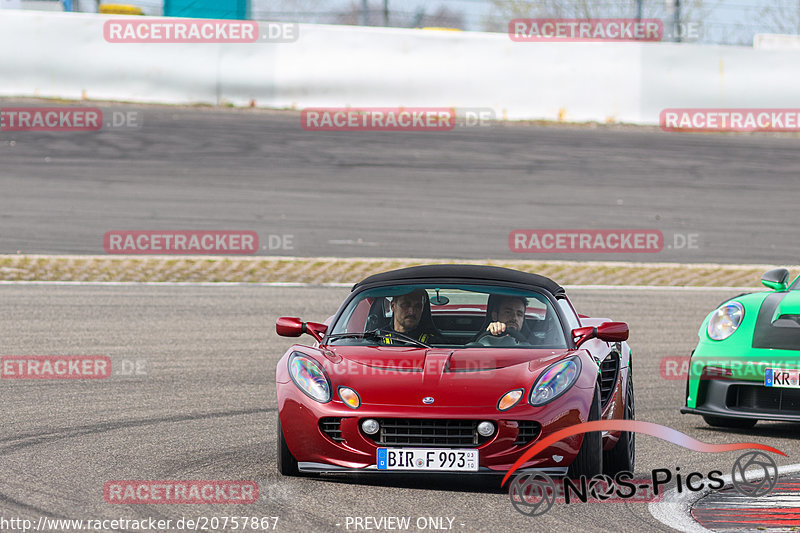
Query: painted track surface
[206, 409]
[730, 512]
[454, 195]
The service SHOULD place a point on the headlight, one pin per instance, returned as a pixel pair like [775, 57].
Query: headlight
[725, 320]
[309, 377]
[555, 381]
[509, 399]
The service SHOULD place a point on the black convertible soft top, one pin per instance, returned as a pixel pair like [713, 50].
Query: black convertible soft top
[463, 272]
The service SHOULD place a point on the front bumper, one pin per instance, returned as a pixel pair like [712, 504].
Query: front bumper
[745, 399]
[316, 451]
[322, 468]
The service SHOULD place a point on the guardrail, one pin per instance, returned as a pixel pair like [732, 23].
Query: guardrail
[65, 55]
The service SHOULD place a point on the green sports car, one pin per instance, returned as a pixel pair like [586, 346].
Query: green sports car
[745, 367]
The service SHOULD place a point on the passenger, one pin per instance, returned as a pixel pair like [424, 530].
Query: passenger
[408, 310]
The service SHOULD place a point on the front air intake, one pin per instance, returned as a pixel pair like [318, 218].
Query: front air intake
[609, 370]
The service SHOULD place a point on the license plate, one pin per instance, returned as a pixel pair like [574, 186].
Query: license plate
[442, 459]
[778, 377]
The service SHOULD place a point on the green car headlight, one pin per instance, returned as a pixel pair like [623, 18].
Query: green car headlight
[310, 377]
[555, 381]
[725, 320]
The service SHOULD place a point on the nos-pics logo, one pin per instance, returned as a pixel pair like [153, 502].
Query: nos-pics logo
[753, 474]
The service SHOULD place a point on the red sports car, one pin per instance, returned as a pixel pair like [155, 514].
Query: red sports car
[453, 368]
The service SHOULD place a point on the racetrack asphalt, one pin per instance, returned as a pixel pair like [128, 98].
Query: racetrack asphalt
[454, 194]
[205, 408]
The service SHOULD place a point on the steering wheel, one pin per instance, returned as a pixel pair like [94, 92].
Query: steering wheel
[510, 337]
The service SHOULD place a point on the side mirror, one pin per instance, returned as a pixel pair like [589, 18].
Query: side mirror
[613, 331]
[776, 279]
[289, 326]
[607, 331]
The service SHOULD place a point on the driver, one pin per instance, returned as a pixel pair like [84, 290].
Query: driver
[508, 317]
[407, 312]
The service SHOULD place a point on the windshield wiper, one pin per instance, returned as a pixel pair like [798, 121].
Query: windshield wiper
[377, 334]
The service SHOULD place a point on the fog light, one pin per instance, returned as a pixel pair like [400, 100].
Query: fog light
[486, 429]
[370, 426]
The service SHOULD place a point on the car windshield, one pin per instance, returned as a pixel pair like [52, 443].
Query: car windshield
[452, 316]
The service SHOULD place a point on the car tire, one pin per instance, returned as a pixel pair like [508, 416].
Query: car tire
[622, 457]
[287, 464]
[724, 422]
[589, 461]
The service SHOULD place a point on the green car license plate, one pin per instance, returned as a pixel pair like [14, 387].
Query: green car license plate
[779, 377]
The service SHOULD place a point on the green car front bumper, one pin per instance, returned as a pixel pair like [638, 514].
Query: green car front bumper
[727, 378]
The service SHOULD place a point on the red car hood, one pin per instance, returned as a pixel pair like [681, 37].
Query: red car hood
[455, 360]
[453, 377]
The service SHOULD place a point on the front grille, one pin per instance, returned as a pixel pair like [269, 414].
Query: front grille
[420, 432]
[332, 428]
[528, 431]
[609, 368]
[760, 398]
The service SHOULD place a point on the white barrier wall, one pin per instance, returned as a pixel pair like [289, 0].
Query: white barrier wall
[776, 41]
[65, 55]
